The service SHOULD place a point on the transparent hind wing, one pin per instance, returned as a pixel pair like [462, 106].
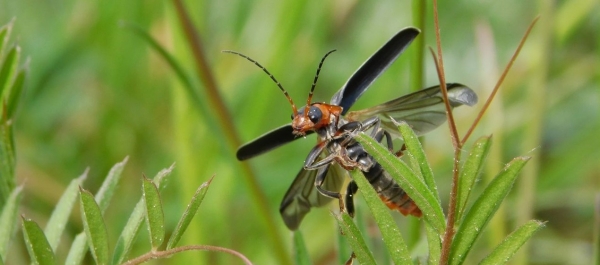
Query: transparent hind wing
[423, 110]
[302, 194]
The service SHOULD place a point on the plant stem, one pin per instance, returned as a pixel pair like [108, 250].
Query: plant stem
[225, 122]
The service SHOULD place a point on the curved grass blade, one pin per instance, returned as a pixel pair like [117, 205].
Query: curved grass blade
[16, 90]
[503, 252]
[154, 213]
[58, 220]
[107, 189]
[483, 209]
[300, 252]
[416, 189]
[77, 251]
[413, 145]
[94, 226]
[189, 214]
[389, 229]
[177, 68]
[8, 69]
[135, 220]
[37, 245]
[355, 239]
[4, 34]
[7, 157]
[470, 170]
[8, 218]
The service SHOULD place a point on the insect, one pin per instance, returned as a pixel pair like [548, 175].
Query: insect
[325, 168]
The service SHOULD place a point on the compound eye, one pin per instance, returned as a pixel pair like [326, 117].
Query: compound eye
[292, 116]
[315, 114]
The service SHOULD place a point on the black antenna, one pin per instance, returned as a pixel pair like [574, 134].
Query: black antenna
[312, 89]
[273, 78]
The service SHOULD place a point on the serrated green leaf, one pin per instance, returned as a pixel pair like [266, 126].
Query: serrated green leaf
[483, 209]
[154, 213]
[300, 252]
[94, 226]
[189, 214]
[107, 189]
[355, 239]
[8, 219]
[78, 249]
[38, 247]
[8, 68]
[58, 220]
[503, 252]
[15, 93]
[416, 189]
[413, 145]
[470, 170]
[389, 229]
[130, 230]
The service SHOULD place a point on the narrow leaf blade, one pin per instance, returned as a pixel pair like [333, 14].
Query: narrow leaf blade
[483, 209]
[130, 230]
[94, 226]
[300, 252]
[413, 145]
[355, 239]
[503, 252]
[37, 245]
[16, 90]
[78, 249]
[389, 229]
[470, 170]
[109, 185]
[154, 213]
[189, 214]
[416, 189]
[8, 68]
[58, 220]
[8, 219]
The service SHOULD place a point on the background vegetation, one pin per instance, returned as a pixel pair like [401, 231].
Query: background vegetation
[97, 93]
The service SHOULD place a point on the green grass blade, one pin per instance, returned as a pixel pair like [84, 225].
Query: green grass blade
[130, 230]
[58, 220]
[408, 181]
[154, 213]
[15, 92]
[389, 229]
[8, 68]
[8, 218]
[4, 34]
[77, 251]
[110, 183]
[94, 226]
[483, 209]
[355, 239]
[434, 244]
[503, 252]
[344, 249]
[7, 158]
[470, 170]
[189, 214]
[413, 145]
[300, 252]
[37, 245]
[181, 74]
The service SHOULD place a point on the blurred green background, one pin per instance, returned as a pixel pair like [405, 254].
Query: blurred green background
[97, 93]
